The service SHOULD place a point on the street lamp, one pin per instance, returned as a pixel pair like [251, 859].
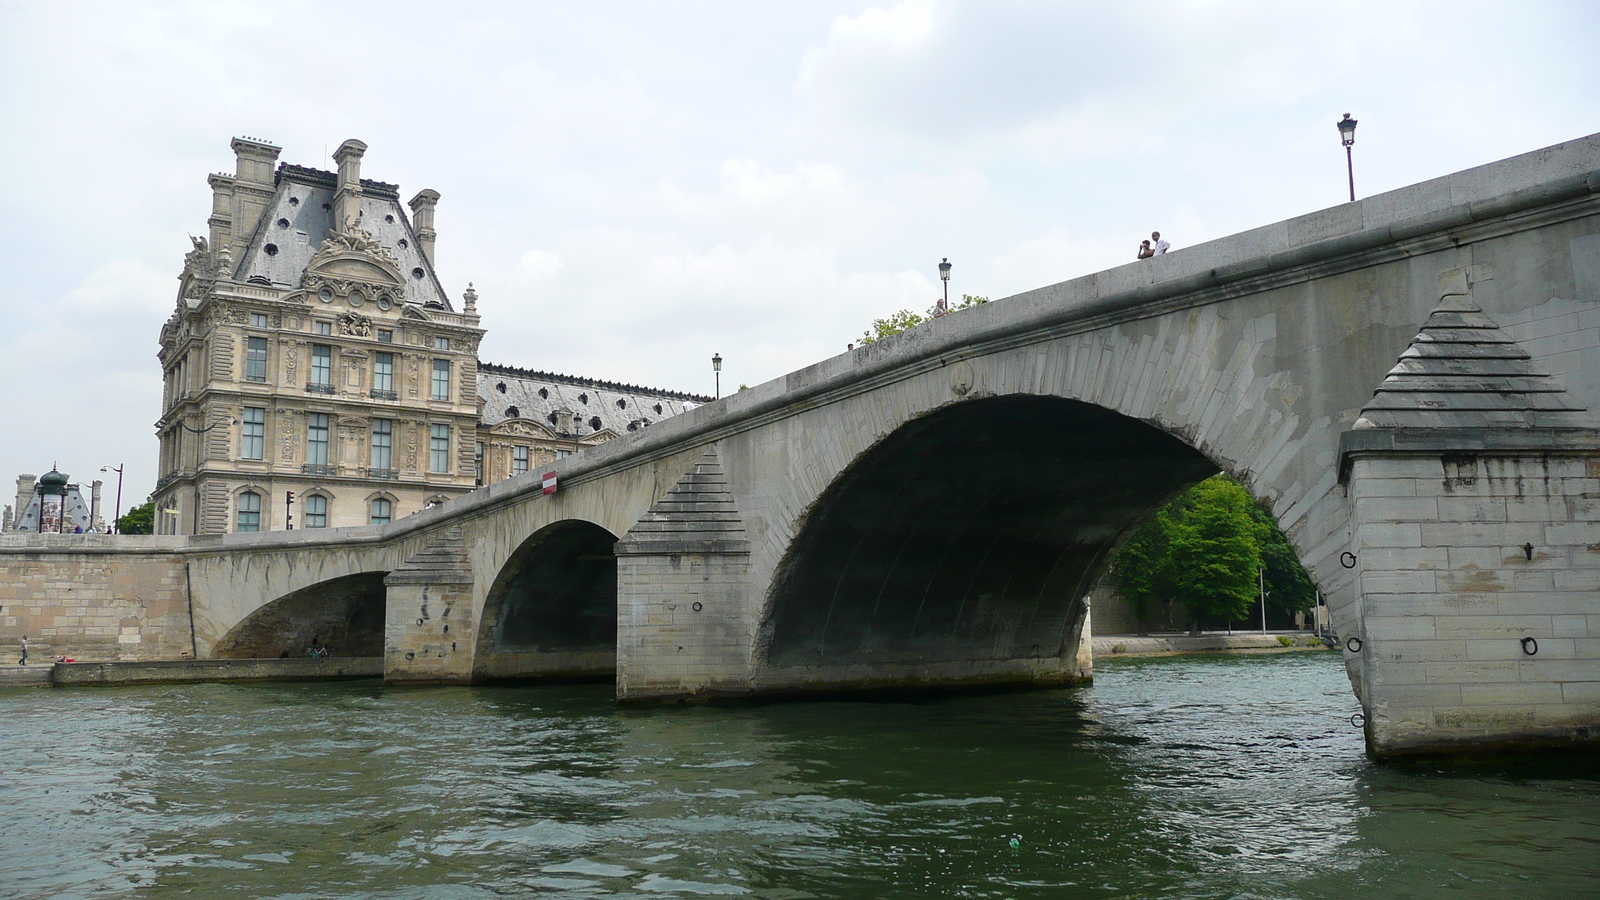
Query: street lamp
[716, 368]
[944, 276]
[1347, 136]
[115, 522]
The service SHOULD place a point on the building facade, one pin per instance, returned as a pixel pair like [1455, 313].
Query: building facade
[317, 374]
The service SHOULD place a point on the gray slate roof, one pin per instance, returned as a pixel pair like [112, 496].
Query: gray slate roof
[1462, 371]
[509, 393]
[304, 201]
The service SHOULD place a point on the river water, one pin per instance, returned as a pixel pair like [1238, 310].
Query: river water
[1197, 777]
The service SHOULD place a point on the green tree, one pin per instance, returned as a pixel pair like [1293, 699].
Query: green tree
[905, 319]
[1216, 553]
[1203, 550]
[1289, 587]
[139, 520]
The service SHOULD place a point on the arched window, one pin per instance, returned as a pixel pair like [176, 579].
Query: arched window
[249, 512]
[381, 511]
[316, 511]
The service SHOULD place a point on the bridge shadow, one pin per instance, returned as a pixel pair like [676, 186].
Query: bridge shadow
[344, 615]
[960, 549]
[551, 613]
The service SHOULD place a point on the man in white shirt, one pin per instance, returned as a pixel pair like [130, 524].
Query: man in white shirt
[1157, 244]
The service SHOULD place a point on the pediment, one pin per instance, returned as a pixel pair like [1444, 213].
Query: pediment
[522, 427]
[411, 312]
[355, 265]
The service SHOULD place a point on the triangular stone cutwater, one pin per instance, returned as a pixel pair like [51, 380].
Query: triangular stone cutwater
[1463, 371]
[443, 561]
[698, 509]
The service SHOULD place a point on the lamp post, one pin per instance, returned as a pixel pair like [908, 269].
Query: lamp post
[116, 527]
[1347, 136]
[716, 369]
[944, 276]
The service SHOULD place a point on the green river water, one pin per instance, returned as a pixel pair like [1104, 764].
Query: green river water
[1193, 777]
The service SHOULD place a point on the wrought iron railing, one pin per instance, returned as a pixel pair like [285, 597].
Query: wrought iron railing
[316, 469]
[386, 474]
[384, 395]
[313, 388]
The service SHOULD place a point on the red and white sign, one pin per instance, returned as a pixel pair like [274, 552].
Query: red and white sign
[549, 482]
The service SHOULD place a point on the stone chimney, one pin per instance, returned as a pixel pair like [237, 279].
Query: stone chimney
[422, 206]
[95, 522]
[563, 421]
[347, 198]
[238, 199]
[24, 493]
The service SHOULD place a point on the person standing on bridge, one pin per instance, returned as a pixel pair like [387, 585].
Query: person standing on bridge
[1144, 250]
[1157, 244]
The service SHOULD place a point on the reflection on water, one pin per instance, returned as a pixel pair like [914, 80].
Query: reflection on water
[1193, 777]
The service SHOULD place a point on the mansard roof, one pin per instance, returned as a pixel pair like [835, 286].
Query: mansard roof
[300, 217]
[508, 392]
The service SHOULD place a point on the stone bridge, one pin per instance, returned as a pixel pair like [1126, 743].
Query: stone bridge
[1407, 381]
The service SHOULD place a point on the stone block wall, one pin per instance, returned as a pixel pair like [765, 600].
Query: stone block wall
[682, 623]
[96, 606]
[1480, 581]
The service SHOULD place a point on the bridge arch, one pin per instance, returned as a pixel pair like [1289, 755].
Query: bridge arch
[961, 546]
[551, 612]
[344, 614]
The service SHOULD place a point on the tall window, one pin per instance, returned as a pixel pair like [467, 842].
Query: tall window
[255, 359]
[316, 511]
[441, 379]
[382, 443]
[253, 439]
[383, 372]
[249, 512]
[439, 449]
[519, 460]
[382, 510]
[317, 439]
[321, 364]
[441, 343]
[258, 320]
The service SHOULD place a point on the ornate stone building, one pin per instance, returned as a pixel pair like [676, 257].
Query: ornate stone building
[317, 375]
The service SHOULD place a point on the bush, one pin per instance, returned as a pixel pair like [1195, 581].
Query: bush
[1286, 640]
[1120, 648]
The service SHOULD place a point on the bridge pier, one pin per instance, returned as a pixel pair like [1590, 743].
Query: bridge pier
[429, 633]
[683, 594]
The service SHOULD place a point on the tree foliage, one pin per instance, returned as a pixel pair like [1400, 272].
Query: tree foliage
[139, 520]
[1205, 550]
[905, 319]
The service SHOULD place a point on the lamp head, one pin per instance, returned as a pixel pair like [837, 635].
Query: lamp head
[716, 362]
[944, 269]
[1347, 130]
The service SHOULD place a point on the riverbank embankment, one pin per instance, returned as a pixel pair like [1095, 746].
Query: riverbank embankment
[1115, 645]
[189, 670]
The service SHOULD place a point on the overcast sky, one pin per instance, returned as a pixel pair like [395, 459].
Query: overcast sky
[635, 186]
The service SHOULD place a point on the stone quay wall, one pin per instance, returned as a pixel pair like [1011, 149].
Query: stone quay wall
[95, 597]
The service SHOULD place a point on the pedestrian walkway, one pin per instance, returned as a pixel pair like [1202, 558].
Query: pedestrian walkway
[1107, 645]
[30, 675]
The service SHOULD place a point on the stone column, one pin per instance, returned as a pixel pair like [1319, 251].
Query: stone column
[682, 581]
[429, 634]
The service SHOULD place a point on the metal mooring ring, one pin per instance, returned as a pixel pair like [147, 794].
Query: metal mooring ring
[1530, 646]
[1353, 644]
[1358, 720]
[1347, 559]
[696, 607]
